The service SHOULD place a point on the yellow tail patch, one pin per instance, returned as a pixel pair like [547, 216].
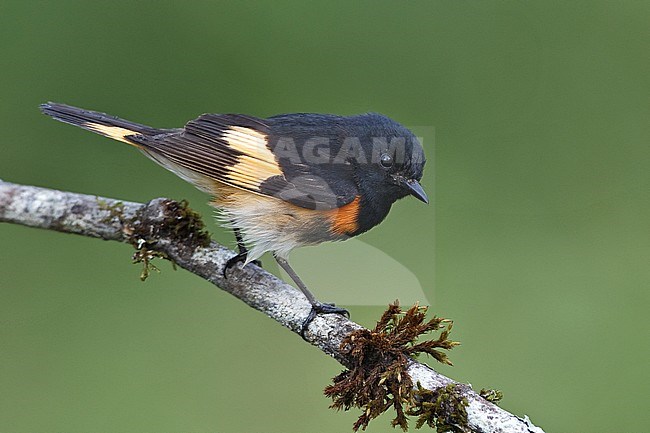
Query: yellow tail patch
[114, 132]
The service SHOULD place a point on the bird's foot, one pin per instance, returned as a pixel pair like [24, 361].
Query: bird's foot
[239, 258]
[320, 308]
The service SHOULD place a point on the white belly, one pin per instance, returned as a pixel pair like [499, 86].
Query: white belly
[270, 224]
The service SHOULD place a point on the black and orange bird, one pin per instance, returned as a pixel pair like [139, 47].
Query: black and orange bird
[282, 182]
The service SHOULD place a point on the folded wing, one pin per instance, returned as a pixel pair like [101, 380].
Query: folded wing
[234, 149]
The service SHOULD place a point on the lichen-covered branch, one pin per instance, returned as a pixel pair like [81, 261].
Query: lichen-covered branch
[167, 228]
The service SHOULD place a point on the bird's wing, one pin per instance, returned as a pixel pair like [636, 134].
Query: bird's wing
[236, 150]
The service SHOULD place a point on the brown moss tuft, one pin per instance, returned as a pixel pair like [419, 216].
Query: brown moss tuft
[377, 379]
[159, 218]
[186, 223]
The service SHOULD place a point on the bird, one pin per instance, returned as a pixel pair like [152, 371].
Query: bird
[284, 181]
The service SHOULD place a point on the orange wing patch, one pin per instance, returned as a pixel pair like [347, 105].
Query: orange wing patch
[258, 162]
[345, 220]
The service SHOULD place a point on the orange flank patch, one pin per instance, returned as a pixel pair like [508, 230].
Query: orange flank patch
[345, 220]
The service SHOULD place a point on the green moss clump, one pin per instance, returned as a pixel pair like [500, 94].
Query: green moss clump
[442, 409]
[145, 256]
[491, 395]
[115, 210]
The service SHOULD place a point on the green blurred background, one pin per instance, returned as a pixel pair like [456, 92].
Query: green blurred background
[537, 244]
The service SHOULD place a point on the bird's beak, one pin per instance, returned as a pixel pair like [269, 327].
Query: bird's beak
[416, 190]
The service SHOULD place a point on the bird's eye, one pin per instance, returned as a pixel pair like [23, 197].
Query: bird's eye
[386, 160]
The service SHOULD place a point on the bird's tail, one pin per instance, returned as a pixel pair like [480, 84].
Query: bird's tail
[100, 123]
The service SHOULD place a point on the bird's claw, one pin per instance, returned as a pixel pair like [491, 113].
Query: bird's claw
[239, 258]
[321, 308]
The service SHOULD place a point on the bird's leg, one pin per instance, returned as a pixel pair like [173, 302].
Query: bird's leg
[316, 306]
[241, 257]
[240, 241]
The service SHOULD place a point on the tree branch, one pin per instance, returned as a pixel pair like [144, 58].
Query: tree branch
[165, 227]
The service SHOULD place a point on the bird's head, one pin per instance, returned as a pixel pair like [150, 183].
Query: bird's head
[394, 161]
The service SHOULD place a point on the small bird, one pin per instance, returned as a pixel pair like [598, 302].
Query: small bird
[282, 182]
